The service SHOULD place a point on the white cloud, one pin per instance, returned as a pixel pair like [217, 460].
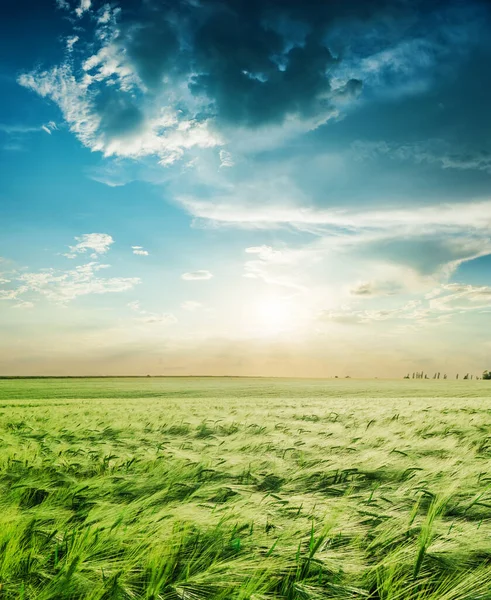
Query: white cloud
[73, 98]
[105, 15]
[202, 274]
[460, 297]
[162, 319]
[8, 294]
[417, 219]
[99, 243]
[191, 305]
[83, 7]
[139, 251]
[121, 127]
[265, 252]
[412, 311]
[277, 267]
[71, 41]
[122, 101]
[226, 159]
[16, 129]
[49, 127]
[437, 307]
[376, 288]
[24, 304]
[151, 317]
[64, 286]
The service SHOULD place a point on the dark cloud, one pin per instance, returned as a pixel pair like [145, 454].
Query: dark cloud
[255, 62]
[169, 67]
[119, 114]
[150, 40]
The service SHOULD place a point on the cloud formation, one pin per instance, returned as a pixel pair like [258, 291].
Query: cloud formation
[148, 317]
[438, 307]
[98, 243]
[61, 287]
[200, 275]
[139, 251]
[434, 152]
[162, 78]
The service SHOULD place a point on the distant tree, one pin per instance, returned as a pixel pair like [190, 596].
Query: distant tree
[457, 376]
[486, 375]
[466, 376]
[445, 376]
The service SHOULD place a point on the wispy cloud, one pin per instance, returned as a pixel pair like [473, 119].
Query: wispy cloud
[461, 297]
[200, 275]
[191, 305]
[139, 251]
[437, 307]
[436, 152]
[151, 317]
[278, 267]
[226, 159]
[416, 219]
[18, 129]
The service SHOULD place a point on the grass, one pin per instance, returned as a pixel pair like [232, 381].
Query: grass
[256, 489]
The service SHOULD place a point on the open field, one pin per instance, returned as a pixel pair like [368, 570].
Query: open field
[210, 488]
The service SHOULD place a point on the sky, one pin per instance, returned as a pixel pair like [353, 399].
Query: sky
[245, 187]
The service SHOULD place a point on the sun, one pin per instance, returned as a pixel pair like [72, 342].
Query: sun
[273, 314]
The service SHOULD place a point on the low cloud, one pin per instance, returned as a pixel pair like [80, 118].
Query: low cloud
[61, 287]
[98, 243]
[148, 317]
[139, 251]
[461, 297]
[202, 274]
[376, 288]
[438, 306]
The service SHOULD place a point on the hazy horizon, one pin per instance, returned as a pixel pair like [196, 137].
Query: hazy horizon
[274, 188]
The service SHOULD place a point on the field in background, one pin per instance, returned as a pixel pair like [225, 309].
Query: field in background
[225, 488]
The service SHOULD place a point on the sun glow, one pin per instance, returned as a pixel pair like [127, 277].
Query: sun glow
[273, 314]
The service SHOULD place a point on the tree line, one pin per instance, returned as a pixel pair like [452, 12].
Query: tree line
[423, 375]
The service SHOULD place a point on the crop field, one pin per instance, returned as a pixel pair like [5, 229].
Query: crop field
[225, 488]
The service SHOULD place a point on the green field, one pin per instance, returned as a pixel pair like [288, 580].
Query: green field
[224, 488]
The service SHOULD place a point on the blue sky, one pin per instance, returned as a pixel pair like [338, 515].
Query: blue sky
[232, 187]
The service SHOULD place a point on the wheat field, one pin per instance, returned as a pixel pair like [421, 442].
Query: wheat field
[229, 488]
